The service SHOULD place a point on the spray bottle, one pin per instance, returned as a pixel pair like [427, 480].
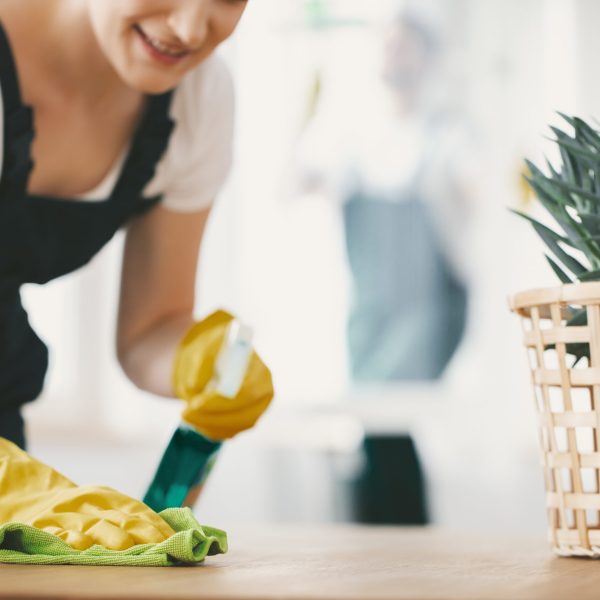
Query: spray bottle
[190, 456]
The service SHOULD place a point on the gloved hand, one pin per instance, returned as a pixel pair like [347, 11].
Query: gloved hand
[213, 415]
[37, 495]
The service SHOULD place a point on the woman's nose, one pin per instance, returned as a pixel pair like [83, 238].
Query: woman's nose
[190, 21]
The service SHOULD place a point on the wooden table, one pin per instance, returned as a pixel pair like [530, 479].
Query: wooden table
[329, 562]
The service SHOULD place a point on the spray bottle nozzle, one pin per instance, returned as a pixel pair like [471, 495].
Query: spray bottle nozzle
[232, 362]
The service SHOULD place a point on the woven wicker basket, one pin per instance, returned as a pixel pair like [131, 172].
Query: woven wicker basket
[567, 400]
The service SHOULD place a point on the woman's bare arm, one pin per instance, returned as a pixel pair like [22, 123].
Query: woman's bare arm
[157, 294]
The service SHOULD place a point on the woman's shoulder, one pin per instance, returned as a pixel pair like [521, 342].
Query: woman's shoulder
[205, 95]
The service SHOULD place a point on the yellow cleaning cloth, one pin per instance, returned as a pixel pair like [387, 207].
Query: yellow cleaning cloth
[213, 415]
[34, 494]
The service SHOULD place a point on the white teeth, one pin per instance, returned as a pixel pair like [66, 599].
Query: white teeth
[164, 49]
[158, 45]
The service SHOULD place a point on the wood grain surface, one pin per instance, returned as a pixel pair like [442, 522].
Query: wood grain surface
[331, 562]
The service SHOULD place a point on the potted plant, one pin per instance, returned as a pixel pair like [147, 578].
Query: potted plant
[561, 331]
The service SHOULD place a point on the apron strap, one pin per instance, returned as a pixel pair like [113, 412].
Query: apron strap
[149, 144]
[18, 123]
[11, 93]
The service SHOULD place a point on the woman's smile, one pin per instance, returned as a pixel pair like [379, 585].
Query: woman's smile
[164, 52]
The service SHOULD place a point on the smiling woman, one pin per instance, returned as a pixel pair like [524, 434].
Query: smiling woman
[115, 113]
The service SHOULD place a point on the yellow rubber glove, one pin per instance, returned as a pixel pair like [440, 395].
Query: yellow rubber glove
[213, 415]
[37, 495]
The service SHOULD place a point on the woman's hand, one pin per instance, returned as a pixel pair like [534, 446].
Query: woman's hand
[212, 414]
[160, 347]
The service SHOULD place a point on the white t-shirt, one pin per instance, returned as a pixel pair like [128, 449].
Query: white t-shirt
[198, 156]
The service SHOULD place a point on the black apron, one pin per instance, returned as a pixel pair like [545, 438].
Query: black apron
[42, 238]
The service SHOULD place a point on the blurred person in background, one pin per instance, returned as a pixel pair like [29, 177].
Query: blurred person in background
[114, 113]
[406, 180]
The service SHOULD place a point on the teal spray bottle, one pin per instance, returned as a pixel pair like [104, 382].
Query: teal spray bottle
[190, 456]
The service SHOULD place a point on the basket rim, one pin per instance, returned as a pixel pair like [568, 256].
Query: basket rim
[587, 292]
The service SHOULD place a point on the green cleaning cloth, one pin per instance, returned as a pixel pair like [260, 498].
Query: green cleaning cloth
[192, 542]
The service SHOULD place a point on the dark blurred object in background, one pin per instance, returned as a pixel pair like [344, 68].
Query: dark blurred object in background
[391, 488]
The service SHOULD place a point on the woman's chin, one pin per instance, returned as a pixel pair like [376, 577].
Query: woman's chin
[149, 83]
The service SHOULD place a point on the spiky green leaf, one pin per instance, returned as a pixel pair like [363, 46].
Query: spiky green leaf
[590, 276]
[579, 150]
[562, 275]
[553, 241]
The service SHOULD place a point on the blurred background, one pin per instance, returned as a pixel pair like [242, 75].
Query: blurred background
[364, 233]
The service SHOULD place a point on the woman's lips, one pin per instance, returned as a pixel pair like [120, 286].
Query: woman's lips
[160, 51]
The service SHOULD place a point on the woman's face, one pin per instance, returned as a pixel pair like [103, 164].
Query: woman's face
[152, 43]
